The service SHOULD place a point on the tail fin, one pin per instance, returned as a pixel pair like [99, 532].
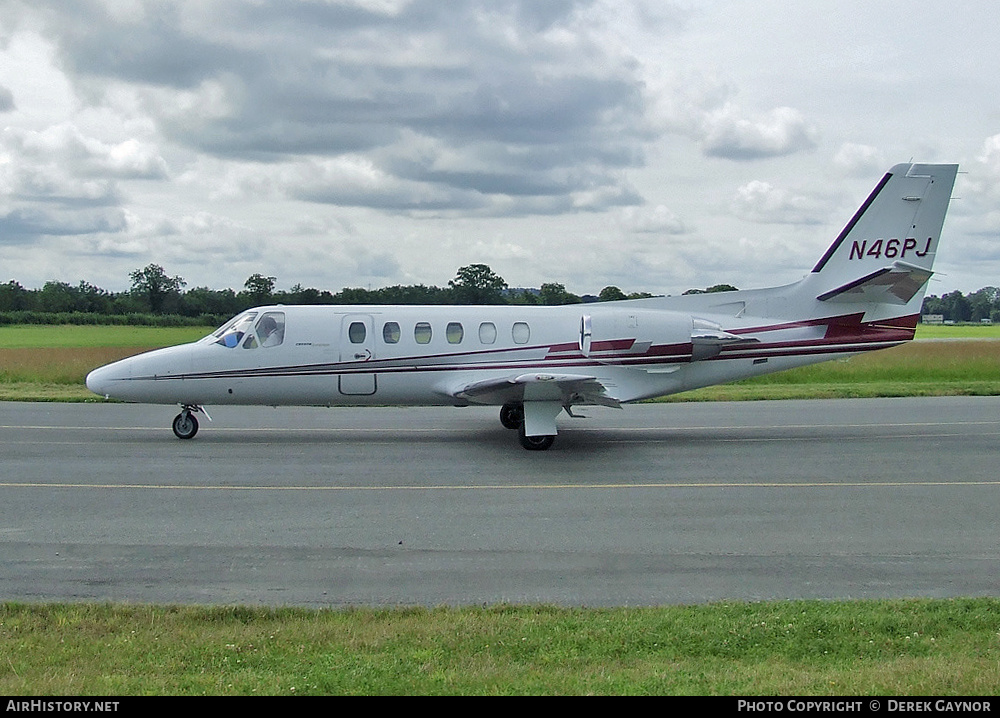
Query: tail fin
[885, 253]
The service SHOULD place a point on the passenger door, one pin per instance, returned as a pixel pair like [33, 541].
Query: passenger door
[357, 346]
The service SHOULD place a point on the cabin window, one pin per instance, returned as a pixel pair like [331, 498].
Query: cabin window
[488, 333]
[391, 333]
[357, 332]
[454, 333]
[520, 333]
[270, 329]
[422, 333]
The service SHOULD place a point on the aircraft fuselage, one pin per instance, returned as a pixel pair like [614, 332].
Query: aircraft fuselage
[864, 293]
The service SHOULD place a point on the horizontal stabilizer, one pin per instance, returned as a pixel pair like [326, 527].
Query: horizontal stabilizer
[897, 284]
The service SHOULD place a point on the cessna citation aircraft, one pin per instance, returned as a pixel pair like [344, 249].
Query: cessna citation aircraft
[864, 293]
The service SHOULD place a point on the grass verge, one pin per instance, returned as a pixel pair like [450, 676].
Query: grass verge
[906, 647]
[39, 363]
[939, 368]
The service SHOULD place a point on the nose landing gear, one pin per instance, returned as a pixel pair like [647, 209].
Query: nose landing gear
[185, 424]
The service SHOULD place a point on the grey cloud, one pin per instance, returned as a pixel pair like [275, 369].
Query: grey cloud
[499, 107]
[23, 226]
[154, 48]
[40, 185]
[6, 100]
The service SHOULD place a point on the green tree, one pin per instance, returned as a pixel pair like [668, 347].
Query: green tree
[259, 288]
[13, 297]
[611, 294]
[91, 298]
[56, 297]
[553, 293]
[983, 302]
[477, 284]
[154, 286]
[956, 307]
[713, 289]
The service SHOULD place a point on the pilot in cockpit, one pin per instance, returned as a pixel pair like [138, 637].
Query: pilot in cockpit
[269, 332]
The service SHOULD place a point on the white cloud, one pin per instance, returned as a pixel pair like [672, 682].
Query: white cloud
[729, 132]
[759, 201]
[860, 160]
[65, 147]
[652, 220]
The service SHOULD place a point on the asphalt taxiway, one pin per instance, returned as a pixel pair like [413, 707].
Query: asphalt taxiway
[655, 504]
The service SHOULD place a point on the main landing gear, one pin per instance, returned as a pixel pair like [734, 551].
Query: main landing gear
[534, 443]
[186, 424]
[512, 416]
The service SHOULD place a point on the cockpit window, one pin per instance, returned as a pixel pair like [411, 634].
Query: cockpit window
[229, 335]
[251, 332]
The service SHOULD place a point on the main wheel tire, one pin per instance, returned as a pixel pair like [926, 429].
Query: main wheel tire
[185, 425]
[512, 416]
[535, 443]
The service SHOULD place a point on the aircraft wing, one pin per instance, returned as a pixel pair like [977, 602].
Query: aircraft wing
[567, 389]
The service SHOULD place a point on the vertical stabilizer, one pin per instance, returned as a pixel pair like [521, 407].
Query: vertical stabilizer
[885, 253]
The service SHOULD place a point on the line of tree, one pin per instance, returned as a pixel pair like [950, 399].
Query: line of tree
[974, 307]
[154, 293]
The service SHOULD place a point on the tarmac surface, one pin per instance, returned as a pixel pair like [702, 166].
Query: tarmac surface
[656, 504]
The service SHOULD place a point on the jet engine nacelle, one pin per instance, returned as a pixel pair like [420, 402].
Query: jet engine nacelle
[617, 336]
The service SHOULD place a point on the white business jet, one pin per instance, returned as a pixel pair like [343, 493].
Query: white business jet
[865, 293]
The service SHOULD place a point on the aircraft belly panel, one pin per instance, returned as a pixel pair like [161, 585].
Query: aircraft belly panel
[358, 384]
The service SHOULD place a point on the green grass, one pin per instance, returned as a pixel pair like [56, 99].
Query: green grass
[49, 363]
[39, 363]
[938, 368]
[956, 331]
[32, 336]
[911, 647]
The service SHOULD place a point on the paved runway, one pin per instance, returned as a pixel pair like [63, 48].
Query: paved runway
[655, 504]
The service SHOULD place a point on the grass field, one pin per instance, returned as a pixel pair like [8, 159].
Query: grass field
[788, 648]
[32, 336]
[39, 363]
[931, 368]
[49, 363]
[953, 331]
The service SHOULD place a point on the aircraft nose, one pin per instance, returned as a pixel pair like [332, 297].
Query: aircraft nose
[107, 380]
[98, 381]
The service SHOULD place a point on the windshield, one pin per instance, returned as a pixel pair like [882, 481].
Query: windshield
[229, 335]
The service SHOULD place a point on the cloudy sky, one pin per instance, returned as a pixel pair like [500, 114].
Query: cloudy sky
[648, 144]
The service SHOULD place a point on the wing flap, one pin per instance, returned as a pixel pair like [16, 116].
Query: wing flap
[568, 389]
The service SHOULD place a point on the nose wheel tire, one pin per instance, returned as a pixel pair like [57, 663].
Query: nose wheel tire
[185, 425]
